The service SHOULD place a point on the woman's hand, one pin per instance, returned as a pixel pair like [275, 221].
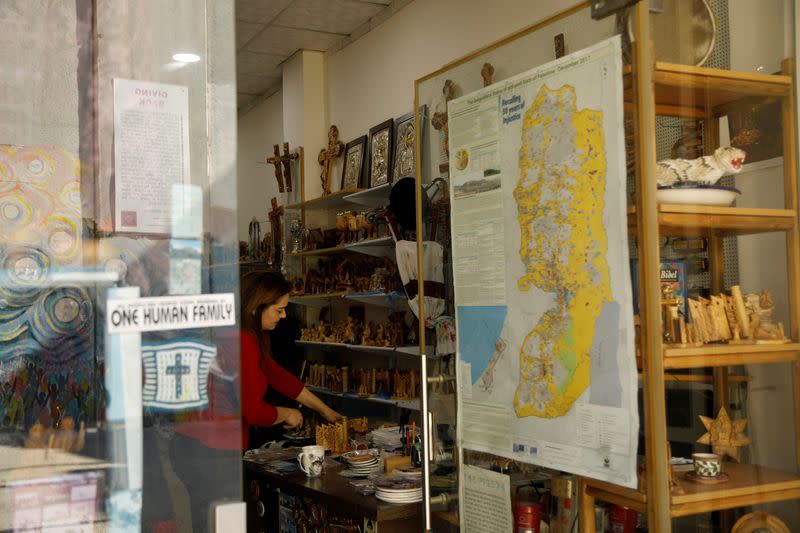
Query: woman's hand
[331, 415]
[291, 418]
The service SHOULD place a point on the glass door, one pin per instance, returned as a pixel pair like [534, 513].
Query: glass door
[118, 351]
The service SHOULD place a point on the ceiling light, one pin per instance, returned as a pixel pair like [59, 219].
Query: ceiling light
[184, 57]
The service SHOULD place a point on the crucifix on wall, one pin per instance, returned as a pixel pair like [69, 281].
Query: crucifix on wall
[286, 159]
[439, 120]
[276, 160]
[327, 155]
[277, 232]
[487, 73]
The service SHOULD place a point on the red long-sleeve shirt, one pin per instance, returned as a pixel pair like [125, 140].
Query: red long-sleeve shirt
[216, 426]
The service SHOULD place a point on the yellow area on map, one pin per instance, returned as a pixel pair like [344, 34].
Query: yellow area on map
[563, 245]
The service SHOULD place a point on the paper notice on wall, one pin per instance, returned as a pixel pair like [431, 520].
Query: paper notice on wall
[487, 501]
[151, 153]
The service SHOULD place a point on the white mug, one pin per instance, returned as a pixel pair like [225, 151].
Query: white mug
[311, 460]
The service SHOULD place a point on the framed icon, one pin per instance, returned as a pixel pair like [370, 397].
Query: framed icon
[380, 153]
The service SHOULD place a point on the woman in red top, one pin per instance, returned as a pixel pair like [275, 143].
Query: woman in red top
[265, 296]
[207, 449]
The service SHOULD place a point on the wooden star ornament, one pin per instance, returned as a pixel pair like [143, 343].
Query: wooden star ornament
[724, 435]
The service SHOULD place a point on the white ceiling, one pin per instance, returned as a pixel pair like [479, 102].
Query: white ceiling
[269, 31]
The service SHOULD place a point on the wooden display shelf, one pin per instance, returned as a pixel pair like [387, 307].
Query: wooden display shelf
[706, 221]
[721, 355]
[687, 91]
[748, 485]
[333, 200]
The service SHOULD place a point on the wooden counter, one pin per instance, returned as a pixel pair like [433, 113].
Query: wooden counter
[336, 491]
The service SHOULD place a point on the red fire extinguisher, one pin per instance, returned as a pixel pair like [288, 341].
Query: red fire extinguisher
[527, 511]
[622, 519]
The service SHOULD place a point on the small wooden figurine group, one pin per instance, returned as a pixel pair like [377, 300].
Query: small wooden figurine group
[336, 436]
[734, 319]
[344, 274]
[353, 331]
[400, 384]
[354, 227]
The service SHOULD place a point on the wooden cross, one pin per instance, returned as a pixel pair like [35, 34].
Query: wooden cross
[439, 119]
[286, 159]
[326, 157]
[487, 72]
[277, 234]
[276, 160]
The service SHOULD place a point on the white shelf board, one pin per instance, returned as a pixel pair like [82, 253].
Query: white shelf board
[382, 247]
[406, 404]
[386, 350]
[316, 300]
[375, 197]
[392, 300]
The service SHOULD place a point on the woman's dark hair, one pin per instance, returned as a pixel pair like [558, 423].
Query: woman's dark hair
[258, 291]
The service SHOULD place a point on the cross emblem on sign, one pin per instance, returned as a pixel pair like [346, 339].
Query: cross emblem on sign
[178, 370]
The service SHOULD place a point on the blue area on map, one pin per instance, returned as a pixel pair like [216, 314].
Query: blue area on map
[479, 327]
[605, 386]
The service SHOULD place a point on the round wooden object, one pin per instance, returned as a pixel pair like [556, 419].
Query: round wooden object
[759, 521]
[684, 32]
[694, 478]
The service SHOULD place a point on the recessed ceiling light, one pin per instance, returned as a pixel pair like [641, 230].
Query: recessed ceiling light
[185, 57]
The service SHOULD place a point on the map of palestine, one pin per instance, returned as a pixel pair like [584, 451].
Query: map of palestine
[563, 247]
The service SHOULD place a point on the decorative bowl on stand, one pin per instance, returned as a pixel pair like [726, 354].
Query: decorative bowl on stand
[696, 194]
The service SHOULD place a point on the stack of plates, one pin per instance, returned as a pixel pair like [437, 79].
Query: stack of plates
[398, 489]
[362, 462]
[408, 472]
[386, 438]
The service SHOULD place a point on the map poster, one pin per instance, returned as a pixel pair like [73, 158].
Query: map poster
[547, 371]
[151, 153]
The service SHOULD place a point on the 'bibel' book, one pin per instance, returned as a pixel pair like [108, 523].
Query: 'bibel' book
[672, 273]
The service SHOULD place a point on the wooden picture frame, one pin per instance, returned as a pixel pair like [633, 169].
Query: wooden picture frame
[354, 158]
[404, 161]
[380, 153]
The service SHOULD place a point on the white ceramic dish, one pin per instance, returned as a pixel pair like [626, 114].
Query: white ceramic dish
[710, 195]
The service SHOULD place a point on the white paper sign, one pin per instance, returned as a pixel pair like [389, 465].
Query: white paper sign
[486, 501]
[170, 312]
[151, 153]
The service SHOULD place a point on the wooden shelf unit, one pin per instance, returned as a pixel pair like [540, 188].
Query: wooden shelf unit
[711, 221]
[722, 355]
[748, 485]
[700, 93]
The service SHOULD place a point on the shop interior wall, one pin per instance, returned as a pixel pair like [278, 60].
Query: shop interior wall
[36, 108]
[372, 78]
[258, 131]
